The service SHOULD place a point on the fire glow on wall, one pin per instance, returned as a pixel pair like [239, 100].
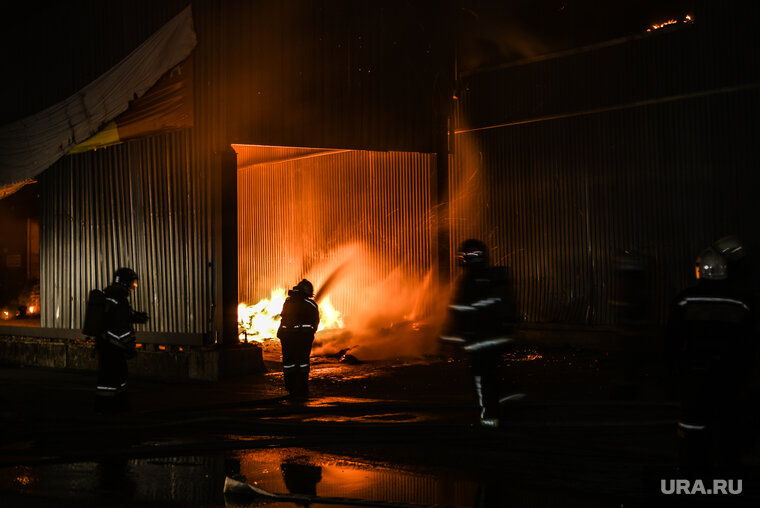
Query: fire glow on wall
[357, 224]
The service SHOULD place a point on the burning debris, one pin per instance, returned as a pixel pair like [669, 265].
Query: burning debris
[260, 322]
[391, 317]
[20, 312]
[359, 225]
[26, 306]
[686, 19]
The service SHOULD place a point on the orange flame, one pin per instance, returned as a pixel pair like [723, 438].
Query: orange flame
[686, 19]
[259, 322]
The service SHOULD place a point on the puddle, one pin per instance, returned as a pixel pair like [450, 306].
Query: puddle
[197, 481]
[300, 471]
[172, 481]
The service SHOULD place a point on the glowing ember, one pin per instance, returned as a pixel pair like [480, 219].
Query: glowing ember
[261, 321]
[686, 19]
[23, 480]
[666, 23]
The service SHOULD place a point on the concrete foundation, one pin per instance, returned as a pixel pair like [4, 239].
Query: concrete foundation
[207, 363]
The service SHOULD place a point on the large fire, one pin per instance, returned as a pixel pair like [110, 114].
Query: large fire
[259, 322]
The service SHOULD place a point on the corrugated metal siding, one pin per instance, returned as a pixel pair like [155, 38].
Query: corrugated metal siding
[577, 170]
[163, 215]
[281, 73]
[354, 75]
[342, 74]
[508, 190]
[141, 204]
[679, 63]
[301, 216]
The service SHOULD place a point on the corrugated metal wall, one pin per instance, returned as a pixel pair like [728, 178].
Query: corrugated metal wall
[637, 145]
[344, 74]
[302, 72]
[562, 164]
[306, 213]
[143, 205]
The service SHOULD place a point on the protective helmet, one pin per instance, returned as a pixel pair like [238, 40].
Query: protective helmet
[711, 266]
[125, 277]
[305, 287]
[472, 252]
[730, 248]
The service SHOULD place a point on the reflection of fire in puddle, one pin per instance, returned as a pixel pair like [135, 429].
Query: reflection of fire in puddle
[378, 418]
[305, 472]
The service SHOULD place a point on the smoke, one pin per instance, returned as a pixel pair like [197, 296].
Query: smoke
[469, 197]
[388, 316]
[491, 35]
[391, 310]
[361, 228]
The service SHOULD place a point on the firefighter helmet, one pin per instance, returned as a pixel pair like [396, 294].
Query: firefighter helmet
[472, 252]
[711, 266]
[125, 277]
[305, 287]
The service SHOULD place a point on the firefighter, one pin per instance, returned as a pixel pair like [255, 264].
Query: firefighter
[710, 343]
[116, 343]
[300, 319]
[481, 317]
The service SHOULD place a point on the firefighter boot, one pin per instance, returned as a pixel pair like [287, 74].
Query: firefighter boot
[290, 375]
[488, 401]
[303, 379]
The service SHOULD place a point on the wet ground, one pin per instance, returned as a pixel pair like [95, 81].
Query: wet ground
[597, 428]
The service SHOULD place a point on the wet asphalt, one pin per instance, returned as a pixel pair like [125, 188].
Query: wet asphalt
[596, 428]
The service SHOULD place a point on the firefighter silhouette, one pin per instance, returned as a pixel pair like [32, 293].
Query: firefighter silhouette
[481, 318]
[115, 342]
[711, 345]
[300, 319]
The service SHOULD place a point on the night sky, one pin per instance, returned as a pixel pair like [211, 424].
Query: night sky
[492, 32]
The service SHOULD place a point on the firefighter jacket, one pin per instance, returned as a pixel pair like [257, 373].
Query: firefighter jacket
[300, 316]
[711, 332]
[118, 319]
[481, 314]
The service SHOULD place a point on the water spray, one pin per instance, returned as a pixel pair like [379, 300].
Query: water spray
[329, 281]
